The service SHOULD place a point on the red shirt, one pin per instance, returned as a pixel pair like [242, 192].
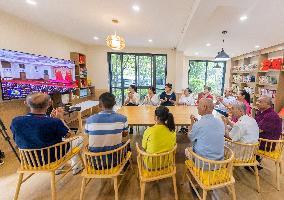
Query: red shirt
[202, 95]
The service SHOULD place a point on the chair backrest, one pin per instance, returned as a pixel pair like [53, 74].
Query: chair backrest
[271, 148]
[105, 163]
[156, 163]
[211, 172]
[48, 157]
[244, 153]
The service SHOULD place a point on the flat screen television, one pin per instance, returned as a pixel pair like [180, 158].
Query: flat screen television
[24, 73]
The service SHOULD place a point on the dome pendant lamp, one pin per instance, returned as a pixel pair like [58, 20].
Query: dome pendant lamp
[222, 55]
[115, 41]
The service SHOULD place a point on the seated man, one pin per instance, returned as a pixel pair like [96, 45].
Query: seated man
[37, 130]
[205, 94]
[106, 129]
[207, 134]
[245, 130]
[269, 122]
[222, 104]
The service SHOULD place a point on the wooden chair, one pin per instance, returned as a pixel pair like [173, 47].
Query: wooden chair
[272, 151]
[210, 174]
[46, 160]
[245, 155]
[153, 167]
[107, 164]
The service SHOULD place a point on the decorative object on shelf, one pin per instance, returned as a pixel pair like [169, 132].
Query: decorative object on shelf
[222, 55]
[243, 78]
[115, 41]
[267, 80]
[246, 68]
[249, 90]
[267, 92]
[272, 64]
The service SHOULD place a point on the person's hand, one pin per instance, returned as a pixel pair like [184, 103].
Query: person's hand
[172, 101]
[58, 113]
[219, 99]
[166, 99]
[224, 119]
[162, 100]
[193, 119]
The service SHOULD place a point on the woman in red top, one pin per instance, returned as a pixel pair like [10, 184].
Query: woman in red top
[205, 94]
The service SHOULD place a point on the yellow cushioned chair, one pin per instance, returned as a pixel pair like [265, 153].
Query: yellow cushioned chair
[40, 161]
[245, 155]
[109, 164]
[210, 174]
[273, 151]
[153, 167]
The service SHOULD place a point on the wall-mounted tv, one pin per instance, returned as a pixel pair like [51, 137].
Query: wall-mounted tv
[24, 73]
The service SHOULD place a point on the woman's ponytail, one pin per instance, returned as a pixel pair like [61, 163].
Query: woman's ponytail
[170, 123]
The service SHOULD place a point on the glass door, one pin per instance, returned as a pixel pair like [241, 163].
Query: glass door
[197, 76]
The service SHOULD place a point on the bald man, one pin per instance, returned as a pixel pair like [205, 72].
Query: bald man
[37, 130]
[207, 134]
[269, 122]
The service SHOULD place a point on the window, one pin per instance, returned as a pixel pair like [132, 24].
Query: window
[142, 70]
[205, 72]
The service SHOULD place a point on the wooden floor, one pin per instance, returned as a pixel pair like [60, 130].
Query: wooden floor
[38, 187]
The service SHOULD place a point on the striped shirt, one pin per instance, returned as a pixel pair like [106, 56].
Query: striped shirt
[105, 130]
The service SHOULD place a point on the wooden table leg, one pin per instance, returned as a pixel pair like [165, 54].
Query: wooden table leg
[80, 122]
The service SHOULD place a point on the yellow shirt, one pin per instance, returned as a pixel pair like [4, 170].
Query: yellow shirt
[158, 139]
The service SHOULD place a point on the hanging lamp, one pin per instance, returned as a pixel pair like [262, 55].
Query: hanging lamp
[115, 41]
[222, 55]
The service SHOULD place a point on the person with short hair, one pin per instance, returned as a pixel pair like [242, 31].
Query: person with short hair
[269, 122]
[245, 130]
[205, 94]
[107, 128]
[161, 137]
[207, 134]
[151, 98]
[133, 98]
[168, 97]
[223, 103]
[186, 98]
[38, 130]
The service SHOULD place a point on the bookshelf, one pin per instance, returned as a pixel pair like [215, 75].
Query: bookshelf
[81, 75]
[248, 72]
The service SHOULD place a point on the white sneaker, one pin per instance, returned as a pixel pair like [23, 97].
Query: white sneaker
[77, 170]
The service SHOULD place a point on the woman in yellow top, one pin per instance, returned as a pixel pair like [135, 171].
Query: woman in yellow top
[161, 137]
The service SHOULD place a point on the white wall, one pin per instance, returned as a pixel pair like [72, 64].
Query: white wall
[19, 35]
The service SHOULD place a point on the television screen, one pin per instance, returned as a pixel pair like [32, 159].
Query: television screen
[23, 73]
[83, 93]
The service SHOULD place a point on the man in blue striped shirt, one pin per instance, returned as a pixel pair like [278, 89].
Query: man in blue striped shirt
[106, 128]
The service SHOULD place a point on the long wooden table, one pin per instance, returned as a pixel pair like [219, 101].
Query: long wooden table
[144, 115]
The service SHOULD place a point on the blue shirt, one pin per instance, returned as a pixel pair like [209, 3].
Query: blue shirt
[169, 97]
[105, 134]
[35, 131]
[207, 137]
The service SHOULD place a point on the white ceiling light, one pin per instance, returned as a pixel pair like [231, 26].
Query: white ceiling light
[96, 38]
[256, 46]
[31, 2]
[243, 18]
[196, 53]
[150, 40]
[208, 44]
[136, 8]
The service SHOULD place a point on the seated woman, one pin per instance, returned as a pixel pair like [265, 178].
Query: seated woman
[161, 137]
[151, 98]
[133, 98]
[168, 97]
[205, 94]
[186, 98]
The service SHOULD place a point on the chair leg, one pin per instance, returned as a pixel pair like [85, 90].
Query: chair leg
[83, 188]
[204, 194]
[81, 159]
[233, 191]
[184, 174]
[175, 187]
[143, 185]
[277, 164]
[257, 178]
[115, 187]
[52, 184]
[20, 179]
[281, 167]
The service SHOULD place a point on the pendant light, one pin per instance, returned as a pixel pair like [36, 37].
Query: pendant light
[222, 55]
[115, 41]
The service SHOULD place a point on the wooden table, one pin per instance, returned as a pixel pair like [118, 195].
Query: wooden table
[144, 115]
[86, 105]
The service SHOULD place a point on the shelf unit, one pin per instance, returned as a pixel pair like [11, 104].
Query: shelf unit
[81, 74]
[257, 57]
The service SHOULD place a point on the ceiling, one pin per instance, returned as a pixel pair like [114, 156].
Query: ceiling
[185, 24]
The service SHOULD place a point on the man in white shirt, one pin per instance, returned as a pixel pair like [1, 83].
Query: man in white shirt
[223, 103]
[245, 130]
